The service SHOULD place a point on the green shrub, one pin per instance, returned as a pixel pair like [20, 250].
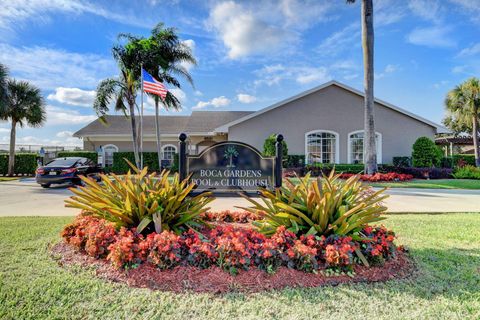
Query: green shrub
[467, 172]
[140, 199]
[269, 147]
[294, 161]
[92, 155]
[120, 166]
[402, 161]
[425, 153]
[322, 207]
[466, 158]
[25, 163]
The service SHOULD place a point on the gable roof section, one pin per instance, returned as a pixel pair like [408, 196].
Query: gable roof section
[200, 122]
[224, 128]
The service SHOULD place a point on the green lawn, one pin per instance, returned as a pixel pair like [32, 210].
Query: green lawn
[8, 178]
[446, 248]
[425, 184]
[432, 184]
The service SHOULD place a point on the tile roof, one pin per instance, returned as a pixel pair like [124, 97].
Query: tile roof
[197, 122]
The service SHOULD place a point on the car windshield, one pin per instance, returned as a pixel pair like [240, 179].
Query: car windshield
[64, 162]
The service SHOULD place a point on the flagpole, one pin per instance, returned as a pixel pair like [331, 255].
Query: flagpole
[141, 120]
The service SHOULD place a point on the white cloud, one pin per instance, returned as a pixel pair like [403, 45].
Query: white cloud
[190, 44]
[34, 140]
[246, 98]
[426, 9]
[73, 96]
[470, 7]
[15, 13]
[59, 116]
[302, 13]
[243, 33]
[470, 51]
[435, 36]
[217, 102]
[440, 84]
[4, 130]
[459, 69]
[308, 75]
[389, 68]
[51, 68]
[340, 40]
[179, 94]
[273, 74]
[64, 134]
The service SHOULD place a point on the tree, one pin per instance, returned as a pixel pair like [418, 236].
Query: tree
[122, 91]
[269, 149]
[162, 55]
[463, 111]
[24, 106]
[425, 153]
[3, 86]
[369, 144]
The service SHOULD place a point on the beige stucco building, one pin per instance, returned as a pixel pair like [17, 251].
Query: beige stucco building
[325, 124]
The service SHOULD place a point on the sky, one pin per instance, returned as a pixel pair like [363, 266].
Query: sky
[250, 54]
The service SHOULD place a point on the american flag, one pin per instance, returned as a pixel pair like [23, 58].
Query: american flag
[151, 85]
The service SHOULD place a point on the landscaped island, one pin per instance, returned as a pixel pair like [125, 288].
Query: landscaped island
[146, 230]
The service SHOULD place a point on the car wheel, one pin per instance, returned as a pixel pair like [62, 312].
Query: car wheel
[45, 185]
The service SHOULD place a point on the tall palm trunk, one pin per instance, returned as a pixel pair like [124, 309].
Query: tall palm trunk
[11, 156]
[476, 138]
[134, 135]
[367, 45]
[157, 131]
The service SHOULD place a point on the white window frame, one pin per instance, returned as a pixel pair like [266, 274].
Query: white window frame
[168, 145]
[337, 143]
[379, 146]
[103, 152]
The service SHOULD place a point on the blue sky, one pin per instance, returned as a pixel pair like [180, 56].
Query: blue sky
[250, 53]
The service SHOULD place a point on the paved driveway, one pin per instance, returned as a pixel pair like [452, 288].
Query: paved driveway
[26, 198]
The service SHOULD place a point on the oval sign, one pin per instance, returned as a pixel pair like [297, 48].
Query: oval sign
[231, 166]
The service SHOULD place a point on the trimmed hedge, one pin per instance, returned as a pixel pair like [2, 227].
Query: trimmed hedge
[92, 155]
[427, 173]
[25, 163]
[325, 168]
[425, 153]
[150, 160]
[294, 161]
[402, 161]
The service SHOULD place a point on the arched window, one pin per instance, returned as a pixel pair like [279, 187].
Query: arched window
[321, 146]
[108, 151]
[168, 153]
[355, 147]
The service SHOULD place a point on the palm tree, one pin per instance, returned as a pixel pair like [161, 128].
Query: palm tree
[3, 86]
[463, 107]
[123, 91]
[369, 145]
[162, 55]
[25, 106]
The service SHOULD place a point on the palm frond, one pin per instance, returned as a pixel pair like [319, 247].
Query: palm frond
[107, 90]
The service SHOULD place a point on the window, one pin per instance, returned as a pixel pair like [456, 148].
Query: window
[355, 147]
[321, 147]
[108, 151]
[168, 153]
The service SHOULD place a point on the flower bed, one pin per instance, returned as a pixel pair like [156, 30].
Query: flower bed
[232, 249]
[380, 177]
[230, 216]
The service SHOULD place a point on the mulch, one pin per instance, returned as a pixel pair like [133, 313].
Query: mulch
[216, 280]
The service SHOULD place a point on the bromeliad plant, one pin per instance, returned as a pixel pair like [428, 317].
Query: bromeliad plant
[138, 199]
[326, 206]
